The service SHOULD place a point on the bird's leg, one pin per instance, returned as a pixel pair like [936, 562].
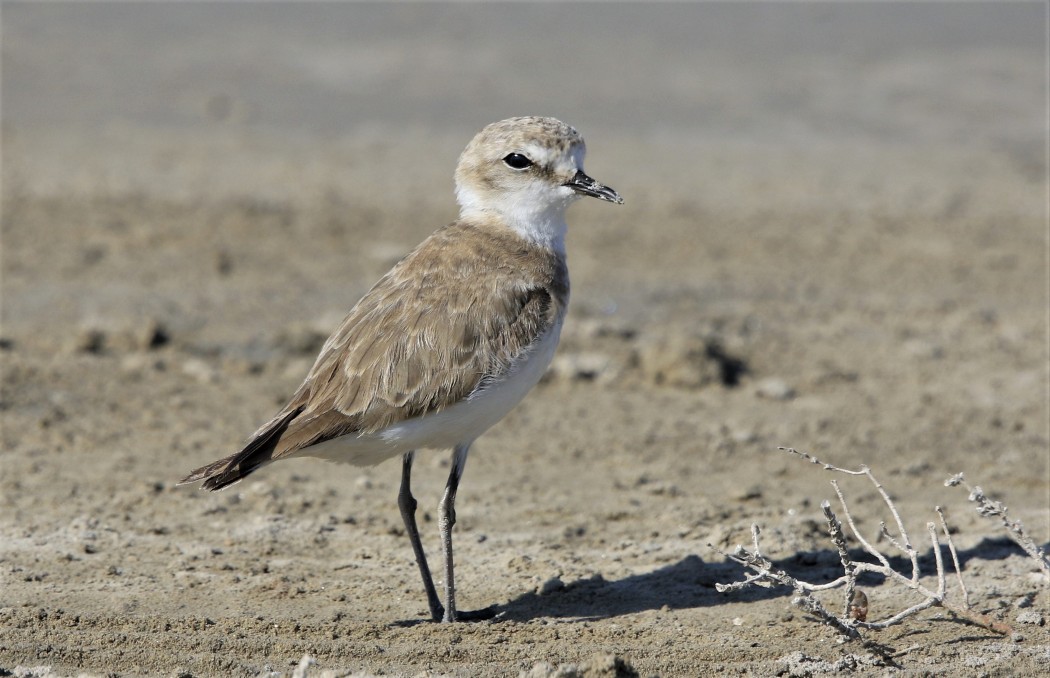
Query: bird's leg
[446, 519]
[407, 503]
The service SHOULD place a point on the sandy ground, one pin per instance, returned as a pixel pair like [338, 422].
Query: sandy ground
[835, 238]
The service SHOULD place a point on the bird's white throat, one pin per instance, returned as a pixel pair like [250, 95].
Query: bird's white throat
[536, 213]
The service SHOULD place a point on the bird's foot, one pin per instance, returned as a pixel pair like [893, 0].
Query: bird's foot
[483, 614]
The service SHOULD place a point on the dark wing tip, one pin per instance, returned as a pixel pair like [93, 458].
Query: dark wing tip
[212, 475]
[258, 452]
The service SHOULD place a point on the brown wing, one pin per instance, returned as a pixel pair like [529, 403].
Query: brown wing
[454, 313]
[413, 347]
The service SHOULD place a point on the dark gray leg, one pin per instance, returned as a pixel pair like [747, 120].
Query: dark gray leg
[446, 520]
[407, 503]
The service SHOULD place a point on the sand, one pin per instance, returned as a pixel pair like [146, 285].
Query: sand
[834, 239]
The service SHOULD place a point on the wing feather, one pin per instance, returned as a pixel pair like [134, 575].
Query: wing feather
[417, 344]
[453, 315]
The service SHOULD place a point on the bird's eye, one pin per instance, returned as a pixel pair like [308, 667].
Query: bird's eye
[517, 161]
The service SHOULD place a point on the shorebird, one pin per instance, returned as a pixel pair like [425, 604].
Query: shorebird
[449, 340]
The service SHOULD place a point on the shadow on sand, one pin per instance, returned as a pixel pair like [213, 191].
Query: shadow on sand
[690, 583]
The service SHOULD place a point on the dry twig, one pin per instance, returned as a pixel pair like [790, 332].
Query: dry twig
[989, 508]
[855, 610]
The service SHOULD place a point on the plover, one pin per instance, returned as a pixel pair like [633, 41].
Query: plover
[448, 341]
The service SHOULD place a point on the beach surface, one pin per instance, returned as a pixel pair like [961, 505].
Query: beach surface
[834, 239]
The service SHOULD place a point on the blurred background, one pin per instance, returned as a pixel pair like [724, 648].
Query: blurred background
[726, 111]
[798, 72]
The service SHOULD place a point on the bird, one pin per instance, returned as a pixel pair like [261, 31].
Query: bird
[450, 339]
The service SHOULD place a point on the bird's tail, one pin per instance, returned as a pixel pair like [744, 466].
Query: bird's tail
[257, 452]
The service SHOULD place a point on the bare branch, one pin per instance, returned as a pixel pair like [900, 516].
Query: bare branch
[856, 533]
[885, 533]
[767, 576]
[989, 508]
[941, 581]
[855, 610]
[955, 556]
[839, 539]
[813, 606]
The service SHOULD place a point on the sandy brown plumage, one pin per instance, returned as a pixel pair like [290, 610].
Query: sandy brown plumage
[451, 339]
[451, 316]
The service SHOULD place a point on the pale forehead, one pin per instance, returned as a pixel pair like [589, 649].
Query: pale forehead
[549, 134]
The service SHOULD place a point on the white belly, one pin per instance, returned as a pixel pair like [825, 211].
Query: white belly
[459, 424]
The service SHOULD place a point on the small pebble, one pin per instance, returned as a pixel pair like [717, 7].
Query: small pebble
[677, 360]
[89, 340]
[585, 366]
[774, 389]
[200, 370]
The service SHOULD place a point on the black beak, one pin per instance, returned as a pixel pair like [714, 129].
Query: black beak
[584, 185]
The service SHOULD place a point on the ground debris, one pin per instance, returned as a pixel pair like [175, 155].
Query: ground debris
[597, 666]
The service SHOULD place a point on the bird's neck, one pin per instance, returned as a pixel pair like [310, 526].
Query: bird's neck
[541, 224]
[546, 229]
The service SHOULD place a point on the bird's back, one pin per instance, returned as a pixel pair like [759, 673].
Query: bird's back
[453, 318]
